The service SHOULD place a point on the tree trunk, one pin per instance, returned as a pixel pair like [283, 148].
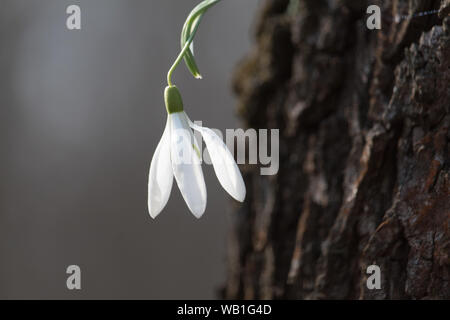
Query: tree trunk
[364, 153]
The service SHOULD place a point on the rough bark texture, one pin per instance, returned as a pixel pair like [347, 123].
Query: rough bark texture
[364, 153]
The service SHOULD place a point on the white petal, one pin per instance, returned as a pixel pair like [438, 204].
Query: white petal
[186, 164]
[225, 167]
[161, 176]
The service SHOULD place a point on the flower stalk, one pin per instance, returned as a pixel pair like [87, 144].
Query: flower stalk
[187, 37]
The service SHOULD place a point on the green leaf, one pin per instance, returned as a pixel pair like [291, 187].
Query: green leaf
[188, 32]
[189, 55]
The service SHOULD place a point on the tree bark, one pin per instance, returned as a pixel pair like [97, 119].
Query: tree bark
[364, 153]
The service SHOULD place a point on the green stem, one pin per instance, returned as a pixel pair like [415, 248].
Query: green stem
[181, 55]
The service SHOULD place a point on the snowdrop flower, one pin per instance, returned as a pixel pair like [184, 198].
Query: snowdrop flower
[178, 155]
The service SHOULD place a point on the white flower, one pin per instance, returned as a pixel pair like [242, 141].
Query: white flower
[178, 155]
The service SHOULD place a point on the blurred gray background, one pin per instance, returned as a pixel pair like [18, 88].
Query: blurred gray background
[81, 113]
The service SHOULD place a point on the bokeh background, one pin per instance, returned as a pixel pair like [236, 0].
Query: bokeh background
[81, 113]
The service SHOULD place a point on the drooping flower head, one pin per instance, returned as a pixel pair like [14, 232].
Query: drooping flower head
[177, 154]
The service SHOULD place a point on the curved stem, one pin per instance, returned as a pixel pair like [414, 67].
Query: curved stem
[181, 55]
